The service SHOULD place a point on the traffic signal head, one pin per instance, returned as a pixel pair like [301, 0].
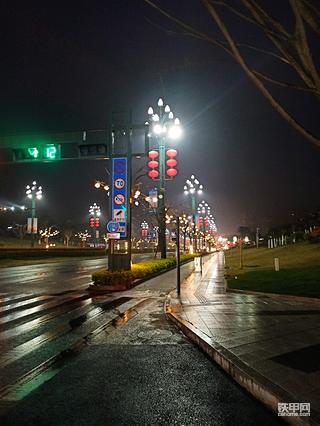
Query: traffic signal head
[91, 222]
[46, 152]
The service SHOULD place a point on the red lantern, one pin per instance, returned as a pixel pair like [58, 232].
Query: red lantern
[172, 172]
[153, 174]
[153, 154]
[171, 163]
[171, 153]
[153, 164]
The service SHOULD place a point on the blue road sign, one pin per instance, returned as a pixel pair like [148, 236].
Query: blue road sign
[112, 226]
[120, 194]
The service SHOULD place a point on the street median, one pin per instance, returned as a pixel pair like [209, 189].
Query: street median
[106, 280]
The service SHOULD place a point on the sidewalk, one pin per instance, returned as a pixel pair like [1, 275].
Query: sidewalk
[269, 344]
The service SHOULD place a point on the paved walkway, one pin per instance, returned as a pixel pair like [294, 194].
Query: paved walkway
[269, 344]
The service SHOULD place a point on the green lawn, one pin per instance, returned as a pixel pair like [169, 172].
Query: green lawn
[299, 273]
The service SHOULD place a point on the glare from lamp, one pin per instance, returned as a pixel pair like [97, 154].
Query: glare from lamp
[175, 132]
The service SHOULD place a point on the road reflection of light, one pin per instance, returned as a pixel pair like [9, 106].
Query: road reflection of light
[25, 302]
[30, 325]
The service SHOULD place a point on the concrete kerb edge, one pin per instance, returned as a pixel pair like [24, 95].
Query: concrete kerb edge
[257, 385]
[287, 297]
[261, 388]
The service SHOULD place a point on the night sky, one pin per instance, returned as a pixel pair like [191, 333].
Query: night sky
[66, 66]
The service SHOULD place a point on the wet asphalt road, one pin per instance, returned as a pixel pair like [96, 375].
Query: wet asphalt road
[138, 370]
[52, 277]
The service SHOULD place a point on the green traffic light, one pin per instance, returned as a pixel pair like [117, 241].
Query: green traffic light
[33, 152]
[50, 152]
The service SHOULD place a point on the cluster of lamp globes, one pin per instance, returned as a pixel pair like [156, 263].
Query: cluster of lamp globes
[193, 186]
[144, 225]
[34, 190]
[204, 210]
[164, 124]
[94, 210]
[100, 184]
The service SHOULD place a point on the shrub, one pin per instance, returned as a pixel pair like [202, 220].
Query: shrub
[138, 271]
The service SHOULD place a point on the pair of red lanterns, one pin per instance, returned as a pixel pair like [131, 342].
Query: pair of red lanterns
[171, 163]
[94, 222]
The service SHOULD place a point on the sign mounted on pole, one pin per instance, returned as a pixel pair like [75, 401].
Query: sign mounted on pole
[113, 235]
[120, 200]
[112, 226]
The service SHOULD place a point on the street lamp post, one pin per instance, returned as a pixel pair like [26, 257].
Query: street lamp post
[34, 193]
[163, 125]
[194, 188]
[204, 211]
[95, 213]
[208, 223]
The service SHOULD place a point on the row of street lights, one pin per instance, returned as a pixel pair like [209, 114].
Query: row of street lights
[193, 188]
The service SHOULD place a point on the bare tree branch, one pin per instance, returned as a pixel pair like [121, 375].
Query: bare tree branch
[294, 50]
[281, 83]
[312, 7]
[193, 31]
[255, 80]
[302, 45]
[248, 19]
[246, 45]
[306, 11]
[266, 52]
[260, 15]
[266, 18]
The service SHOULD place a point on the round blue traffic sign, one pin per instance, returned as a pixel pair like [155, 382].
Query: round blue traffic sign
[112, 226]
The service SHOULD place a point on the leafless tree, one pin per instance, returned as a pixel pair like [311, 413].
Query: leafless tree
[68, 232]
[19, 230]
[292, 43]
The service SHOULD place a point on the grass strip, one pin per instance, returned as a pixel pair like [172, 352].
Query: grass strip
[299, 273]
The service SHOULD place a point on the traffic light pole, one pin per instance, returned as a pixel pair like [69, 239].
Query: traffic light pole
[121, 126]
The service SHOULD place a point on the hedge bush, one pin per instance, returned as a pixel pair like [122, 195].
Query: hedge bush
[138, 271]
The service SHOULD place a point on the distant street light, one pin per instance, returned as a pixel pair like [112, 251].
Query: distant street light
[206, 219]
[102, 185]
[194, 188]
[163, 126]
[34, 193]
[94, 221]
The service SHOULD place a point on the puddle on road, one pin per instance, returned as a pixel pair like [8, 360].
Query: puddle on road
[149, 326]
